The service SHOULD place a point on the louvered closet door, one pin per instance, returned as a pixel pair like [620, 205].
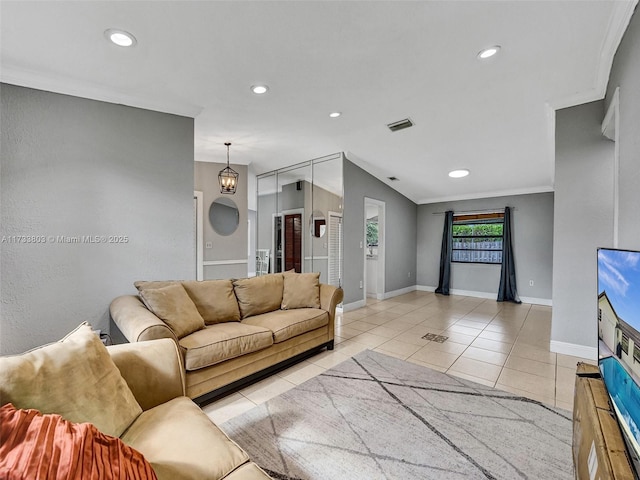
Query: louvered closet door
[335, 250]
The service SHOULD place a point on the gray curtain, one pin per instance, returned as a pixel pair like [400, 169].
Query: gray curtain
[445, 254]
[507, 290]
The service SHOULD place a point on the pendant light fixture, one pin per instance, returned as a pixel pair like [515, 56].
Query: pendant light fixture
[228, 177]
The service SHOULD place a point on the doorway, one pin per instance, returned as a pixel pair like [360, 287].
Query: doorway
[374, 249]
[293, 242]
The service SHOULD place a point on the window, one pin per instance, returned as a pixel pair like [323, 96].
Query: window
[636, 354]
[478, 238]
[625, 343]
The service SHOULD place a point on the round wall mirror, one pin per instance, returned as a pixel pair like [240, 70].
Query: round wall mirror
[224, 216]
[318, 224]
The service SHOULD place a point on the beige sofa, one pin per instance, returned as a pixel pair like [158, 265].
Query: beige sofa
[134, 392]
[232, 332]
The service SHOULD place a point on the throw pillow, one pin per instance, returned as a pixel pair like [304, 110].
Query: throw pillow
[172, 305]
[301, 290]
[259, 294]
[75, 378]
[48, 446]
[214, 299]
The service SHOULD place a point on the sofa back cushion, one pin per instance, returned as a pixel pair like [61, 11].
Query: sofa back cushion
[214, 299]
[173, 306]
[259, 294]
[75, 378]
[300, 290]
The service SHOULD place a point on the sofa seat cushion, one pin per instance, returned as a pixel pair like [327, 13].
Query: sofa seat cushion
[286, 324]
[181, 442]
[216, 343]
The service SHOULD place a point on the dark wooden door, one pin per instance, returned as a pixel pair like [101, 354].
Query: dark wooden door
[293, 242]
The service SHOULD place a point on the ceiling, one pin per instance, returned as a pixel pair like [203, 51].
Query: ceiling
[377, 62]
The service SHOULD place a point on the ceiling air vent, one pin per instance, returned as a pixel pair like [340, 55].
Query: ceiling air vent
[400, 124]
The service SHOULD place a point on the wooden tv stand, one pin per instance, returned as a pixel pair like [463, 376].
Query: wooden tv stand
[599, 451]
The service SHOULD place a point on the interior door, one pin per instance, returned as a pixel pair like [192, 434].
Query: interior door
[293, 242]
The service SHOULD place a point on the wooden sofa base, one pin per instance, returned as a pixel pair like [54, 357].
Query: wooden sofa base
[225, 390]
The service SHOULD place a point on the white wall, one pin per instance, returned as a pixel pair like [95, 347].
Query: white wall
[532, 222]
[73, 167]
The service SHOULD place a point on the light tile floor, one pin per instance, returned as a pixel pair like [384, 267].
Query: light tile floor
[501, 345]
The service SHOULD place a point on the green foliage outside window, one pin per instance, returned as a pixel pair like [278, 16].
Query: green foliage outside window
[372, 233]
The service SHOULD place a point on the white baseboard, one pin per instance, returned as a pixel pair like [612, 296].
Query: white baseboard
[347, 307]
[487, 295]
[574, 349]
[537, 301]
[397, 293]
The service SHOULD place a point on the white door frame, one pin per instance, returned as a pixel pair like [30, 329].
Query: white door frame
[199, 198]
[381, 248]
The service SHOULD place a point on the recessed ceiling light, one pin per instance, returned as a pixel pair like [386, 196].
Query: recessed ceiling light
[459, 173]
[488, 52]
[259, 89]
[335, 114]
[120, 37]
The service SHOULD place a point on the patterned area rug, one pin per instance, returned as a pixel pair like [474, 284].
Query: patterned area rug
[377, 417]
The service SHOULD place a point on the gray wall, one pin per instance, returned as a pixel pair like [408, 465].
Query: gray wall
[625, 74]
[532, 222]
[230, 247]
[400, 233]
[73, 167]
[583, 220]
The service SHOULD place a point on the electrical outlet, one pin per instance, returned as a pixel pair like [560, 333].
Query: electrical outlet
[360, 247]
[531, 283]
[409, 275]
[208, 245]
[360, 283]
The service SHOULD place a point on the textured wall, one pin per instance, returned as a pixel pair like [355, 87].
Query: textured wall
[532, 222]
[73, 167]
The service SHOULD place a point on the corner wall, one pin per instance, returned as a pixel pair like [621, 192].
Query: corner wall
[625, 73]
[73, 167]
[532, 221]
[583, 221]
[400, 233]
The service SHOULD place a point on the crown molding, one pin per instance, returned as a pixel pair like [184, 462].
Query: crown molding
[66, 86]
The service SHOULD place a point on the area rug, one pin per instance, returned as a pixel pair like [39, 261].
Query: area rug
[378, 417]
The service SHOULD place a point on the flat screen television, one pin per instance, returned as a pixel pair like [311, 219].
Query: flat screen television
[619, 339]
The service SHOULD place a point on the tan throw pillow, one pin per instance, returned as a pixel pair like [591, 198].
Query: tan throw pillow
[214, 299]
[74, 378]
[147, 284]
[259, 294]
[172, 305]
[301, 290]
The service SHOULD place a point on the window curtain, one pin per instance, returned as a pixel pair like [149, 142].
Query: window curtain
[445, 255]
[507, 290]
